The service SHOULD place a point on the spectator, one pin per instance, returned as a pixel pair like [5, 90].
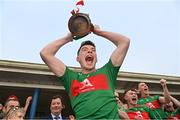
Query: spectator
[15, 113]
[28, 100]
[13, 101]
[56, 108]
[154, 102]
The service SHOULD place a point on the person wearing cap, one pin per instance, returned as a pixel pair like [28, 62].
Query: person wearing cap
[13, 101]
[91, 90]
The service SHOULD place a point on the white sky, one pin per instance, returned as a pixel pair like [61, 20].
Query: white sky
[153, 26]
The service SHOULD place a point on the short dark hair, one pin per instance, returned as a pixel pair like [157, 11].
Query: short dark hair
[125, 91]
[57, 96]
[129, 89]
[88, 42]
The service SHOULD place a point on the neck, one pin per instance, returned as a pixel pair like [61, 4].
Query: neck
[172, 109]
[56, 114]
[144, 95]
[132, 105]
[87, 71]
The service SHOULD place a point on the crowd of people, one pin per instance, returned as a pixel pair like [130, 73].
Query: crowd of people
[134, 104]
[140, 105]
[12, 110]
[92, 91]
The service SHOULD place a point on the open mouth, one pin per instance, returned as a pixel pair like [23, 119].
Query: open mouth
[145, 89]
[134, 99]
[89, 58]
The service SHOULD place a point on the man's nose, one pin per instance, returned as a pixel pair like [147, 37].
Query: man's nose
[89, 51]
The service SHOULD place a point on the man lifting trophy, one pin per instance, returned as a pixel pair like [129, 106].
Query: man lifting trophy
[91, 90]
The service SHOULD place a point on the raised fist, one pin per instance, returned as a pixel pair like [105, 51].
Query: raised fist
[163, 82]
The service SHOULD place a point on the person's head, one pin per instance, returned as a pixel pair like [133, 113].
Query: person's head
[86, 55]
[143, 89]
[15, 113]
[12, 97]
[56, 105]
[10, 103]
[169, 107]
[130, 96]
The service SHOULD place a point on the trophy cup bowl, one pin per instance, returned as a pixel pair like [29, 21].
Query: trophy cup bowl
[79, 25]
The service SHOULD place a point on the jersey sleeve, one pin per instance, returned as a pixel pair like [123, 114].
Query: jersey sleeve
[67, 78]
[112, 71]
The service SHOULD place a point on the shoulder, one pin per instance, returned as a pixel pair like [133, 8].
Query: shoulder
[68, 72]
[141, 100]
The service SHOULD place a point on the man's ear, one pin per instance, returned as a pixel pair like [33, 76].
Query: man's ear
[63, 106]
[77, 58]
[125, 97]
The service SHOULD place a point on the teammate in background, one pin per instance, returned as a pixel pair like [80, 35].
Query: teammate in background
[173, 112]
[135, 111]
[121, 107]
[154, 102]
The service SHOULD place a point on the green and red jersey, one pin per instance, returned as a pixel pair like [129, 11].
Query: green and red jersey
[174, 115]
[140, 112]
[153, 103]
[92, 95]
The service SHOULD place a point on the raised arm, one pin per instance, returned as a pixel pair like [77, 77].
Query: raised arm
[119, 40]
[175, 101]
[48, 55]
[166, 98]
[28, 100]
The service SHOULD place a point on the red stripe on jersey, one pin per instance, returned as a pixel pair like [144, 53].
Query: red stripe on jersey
[178, 116]
[153, 105]
[97, 82]
[138, 115]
